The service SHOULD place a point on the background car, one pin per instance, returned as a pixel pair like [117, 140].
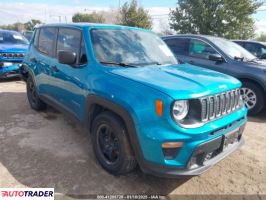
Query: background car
[227, 57]
[13, 46]
[258, 49]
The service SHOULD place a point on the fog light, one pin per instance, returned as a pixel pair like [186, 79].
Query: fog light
[6, 64]
[171, 149]
[208, 156]
[193, 163]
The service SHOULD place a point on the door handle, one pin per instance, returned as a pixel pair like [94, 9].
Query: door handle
[54, 68]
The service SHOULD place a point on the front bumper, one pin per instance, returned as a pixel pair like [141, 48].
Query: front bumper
[205, 146]
[10, 71]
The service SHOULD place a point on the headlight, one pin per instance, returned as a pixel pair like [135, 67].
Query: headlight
[180, 109]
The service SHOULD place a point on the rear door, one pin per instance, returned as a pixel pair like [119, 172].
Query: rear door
[42, 57]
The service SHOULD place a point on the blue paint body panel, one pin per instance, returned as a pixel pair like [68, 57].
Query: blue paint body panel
[136, 90]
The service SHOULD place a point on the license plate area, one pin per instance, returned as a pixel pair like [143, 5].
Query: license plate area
[231, 138]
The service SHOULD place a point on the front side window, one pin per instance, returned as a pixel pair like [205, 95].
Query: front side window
[69, 40]
[260, 50]
[200, 49]
[72, 40]
[130, 46]
[46, 42]
[36, 37]
[263, 50]
[12, 37]
[253, 48]
[179, 46]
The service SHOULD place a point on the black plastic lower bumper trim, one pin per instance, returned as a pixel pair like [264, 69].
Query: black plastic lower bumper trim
[167, 172]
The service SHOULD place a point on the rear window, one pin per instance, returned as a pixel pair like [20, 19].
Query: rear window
[179, 46]
[46, 41]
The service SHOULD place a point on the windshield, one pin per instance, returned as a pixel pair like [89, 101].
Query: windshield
[232, 49]
[28, 35]
[135, 47]
[12, 38]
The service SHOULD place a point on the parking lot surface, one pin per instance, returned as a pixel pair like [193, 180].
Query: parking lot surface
[47, 149]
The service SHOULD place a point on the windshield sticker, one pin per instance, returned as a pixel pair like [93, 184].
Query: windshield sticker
[1, 38]
[166, 50]
[18, 37]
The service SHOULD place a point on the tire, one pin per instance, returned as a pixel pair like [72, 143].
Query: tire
[35, 102]
[111, 145]
[253, 97]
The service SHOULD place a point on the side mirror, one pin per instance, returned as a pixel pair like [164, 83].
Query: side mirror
[67, 57]
[263, 56]
[216, 58]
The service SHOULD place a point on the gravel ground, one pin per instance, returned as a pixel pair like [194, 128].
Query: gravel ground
[47, 149]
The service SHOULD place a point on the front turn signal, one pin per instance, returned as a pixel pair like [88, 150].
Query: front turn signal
[159, 107]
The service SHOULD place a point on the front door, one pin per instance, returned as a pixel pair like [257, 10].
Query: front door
[71, 80]
[198, 54]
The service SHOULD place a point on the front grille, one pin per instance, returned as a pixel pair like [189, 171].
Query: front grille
[12, 55]
[215, 106]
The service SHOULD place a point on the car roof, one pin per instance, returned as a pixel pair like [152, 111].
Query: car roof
[250, 41]
[208, 37]
[90, 25]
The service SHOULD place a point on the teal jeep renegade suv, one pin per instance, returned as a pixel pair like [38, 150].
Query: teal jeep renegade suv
[140, 106]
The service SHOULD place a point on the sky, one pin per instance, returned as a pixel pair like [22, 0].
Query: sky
[50, 11]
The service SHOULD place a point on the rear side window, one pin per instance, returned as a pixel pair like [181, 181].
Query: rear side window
[179, 46]
[200, 49]
[46, 43]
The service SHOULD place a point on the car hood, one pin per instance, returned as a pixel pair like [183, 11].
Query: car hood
[13, 47]
[181, 81]
[261, 62]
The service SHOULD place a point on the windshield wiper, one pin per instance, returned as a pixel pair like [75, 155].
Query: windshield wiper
[149, 63]
[117, 63]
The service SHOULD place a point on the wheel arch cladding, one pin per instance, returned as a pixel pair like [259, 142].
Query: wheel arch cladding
[258, 83]
[96, 104]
